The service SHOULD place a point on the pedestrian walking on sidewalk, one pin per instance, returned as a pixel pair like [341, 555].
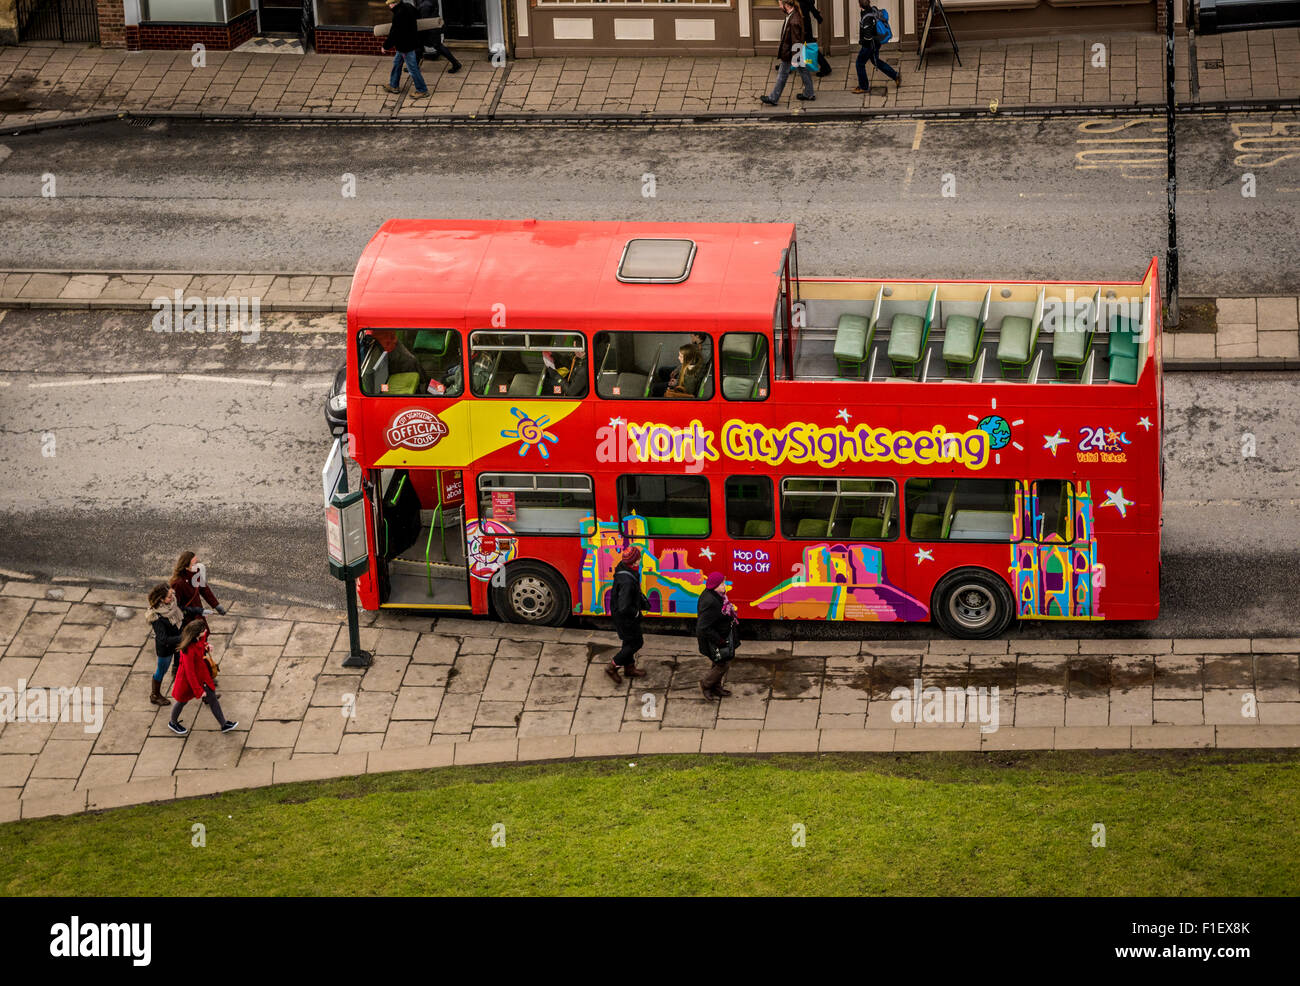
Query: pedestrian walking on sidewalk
[431, 41]
[810, 13]
[403, 39]
[869, 39]
[791, 35]
[190, 583]
[627, 603]
[194, 679]
[166, 619]
[717, 633]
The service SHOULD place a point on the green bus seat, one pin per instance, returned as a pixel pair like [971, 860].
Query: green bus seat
[961, 341]
[1123, 337]
[854, 335]
[525, 385]
[1016, 343]
[867, 528]
[812, 527]
[757, 528]
[632, 385]
[403, 383]
[926, 527]
[1123, 369]
[908, 335]
[431, 341]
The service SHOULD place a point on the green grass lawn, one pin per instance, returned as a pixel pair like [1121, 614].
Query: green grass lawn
[1189, 823]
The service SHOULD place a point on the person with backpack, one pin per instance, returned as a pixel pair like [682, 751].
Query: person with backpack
[716, 627]
[431, 42]
[791, 39]
[873, 31]
[626, 605]
[810, 13]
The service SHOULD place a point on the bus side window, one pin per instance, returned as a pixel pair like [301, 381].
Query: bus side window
[743, 360]
[749, 507]
[411, 363]
[1053, 511]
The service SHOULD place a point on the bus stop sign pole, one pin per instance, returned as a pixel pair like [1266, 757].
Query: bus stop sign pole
[1171, 182]
[345, 529]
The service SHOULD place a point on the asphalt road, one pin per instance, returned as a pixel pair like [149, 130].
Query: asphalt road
[217, 445]
[1055, 198]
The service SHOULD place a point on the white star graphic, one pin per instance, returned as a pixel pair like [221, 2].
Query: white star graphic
[706, 552]
[923, 554]
[844, 415]
[1145, 422]
[1050, 442]
[1115, 498]
[617, 422]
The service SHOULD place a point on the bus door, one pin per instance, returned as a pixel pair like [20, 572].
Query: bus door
[420, 539]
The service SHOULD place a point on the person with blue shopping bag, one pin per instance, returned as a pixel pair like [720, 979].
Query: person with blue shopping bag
[790, 54]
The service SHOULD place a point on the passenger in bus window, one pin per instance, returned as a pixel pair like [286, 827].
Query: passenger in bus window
[706, 350]
[684, 381]
[627, 602]
[400, 359]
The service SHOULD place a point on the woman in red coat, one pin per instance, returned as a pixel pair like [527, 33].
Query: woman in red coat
[194, 680]
[189, 581]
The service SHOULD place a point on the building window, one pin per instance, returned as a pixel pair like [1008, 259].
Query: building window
[644, 365]
[672, 506]
[528, 364]
[410, 363]
[533, 504]
[839, 509]
[743, 359]
[960, 509]
[183, 11]
[749, 507]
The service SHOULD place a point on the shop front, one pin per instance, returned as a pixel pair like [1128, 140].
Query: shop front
[346, 26]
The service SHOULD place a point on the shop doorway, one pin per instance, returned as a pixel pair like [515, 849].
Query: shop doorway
[465, 20]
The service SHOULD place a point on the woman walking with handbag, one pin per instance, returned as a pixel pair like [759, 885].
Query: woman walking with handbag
[716, 631]
[165, 617]
[195, 678]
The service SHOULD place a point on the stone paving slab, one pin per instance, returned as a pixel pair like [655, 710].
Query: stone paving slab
[475, 691]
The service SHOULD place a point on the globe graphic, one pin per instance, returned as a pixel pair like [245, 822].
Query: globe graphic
[998, 430]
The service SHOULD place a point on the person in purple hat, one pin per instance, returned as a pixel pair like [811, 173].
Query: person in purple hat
[716, 628]
[626, 605]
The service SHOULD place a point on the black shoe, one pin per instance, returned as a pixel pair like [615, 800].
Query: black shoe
[722, 692]
[611, 669]
[229, 726]
[177, 728]
[767, 100]
[708, 695]
[455, 67]
[800, 95]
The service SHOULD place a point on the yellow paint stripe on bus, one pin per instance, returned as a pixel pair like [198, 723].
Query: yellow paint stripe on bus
[478, 428]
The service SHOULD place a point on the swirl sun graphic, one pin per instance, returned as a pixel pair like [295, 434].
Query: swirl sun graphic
[530, 433]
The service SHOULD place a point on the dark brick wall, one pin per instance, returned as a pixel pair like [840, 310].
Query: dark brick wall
[112, 23]
[339, 41]
[178, 37]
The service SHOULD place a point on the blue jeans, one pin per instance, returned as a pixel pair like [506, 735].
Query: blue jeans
[783, 73]
[412, 66]
[163, 664]
[871, 53]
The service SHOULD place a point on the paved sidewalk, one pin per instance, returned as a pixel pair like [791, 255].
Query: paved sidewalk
[43, 82]
[1244, 332]
[476, 691]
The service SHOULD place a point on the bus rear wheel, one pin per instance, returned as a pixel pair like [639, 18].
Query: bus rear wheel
[972, 604]
[532, 593]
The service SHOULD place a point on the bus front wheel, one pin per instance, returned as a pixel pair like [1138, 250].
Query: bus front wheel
[972, 604]
[532, 593]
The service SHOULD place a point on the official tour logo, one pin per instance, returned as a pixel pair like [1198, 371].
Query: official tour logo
[416, 429]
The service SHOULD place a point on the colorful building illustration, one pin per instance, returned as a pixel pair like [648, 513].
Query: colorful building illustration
[841, 583]
[1055, 580]
[668, 582]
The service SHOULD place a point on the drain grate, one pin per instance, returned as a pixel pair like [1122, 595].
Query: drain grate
[141, 121]
[1212, 63]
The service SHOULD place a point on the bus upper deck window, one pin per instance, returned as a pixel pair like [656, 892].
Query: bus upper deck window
[411, 363]
[528, 364]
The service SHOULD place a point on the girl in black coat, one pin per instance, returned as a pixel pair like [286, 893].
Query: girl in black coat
[715, 632]
[626, 604]
[165, 617]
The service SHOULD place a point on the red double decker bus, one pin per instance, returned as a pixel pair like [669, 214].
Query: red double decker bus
[526, 397]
